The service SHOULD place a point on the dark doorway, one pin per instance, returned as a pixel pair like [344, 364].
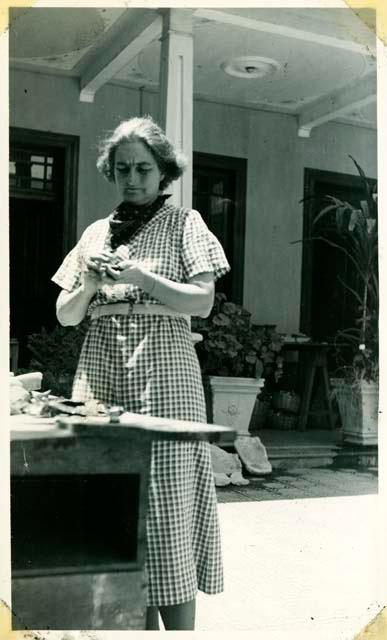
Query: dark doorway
[326, 305]
[42, 225]
[219, 194]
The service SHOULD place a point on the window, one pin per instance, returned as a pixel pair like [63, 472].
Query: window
[31, 172]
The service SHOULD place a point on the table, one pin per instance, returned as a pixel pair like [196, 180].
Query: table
[312, 359]
[79, 498]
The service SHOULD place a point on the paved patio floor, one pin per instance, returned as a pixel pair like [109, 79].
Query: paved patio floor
[295, 569]
[303, 482]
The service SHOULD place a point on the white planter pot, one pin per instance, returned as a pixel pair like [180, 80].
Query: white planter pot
[358, 407]
[233, 401]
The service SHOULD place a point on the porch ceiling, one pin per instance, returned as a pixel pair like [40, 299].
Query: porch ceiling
[321, 62]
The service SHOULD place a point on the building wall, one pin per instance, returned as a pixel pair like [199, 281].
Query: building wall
[276, 162]
[277, 158]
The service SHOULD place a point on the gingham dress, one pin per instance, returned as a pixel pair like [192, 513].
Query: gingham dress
[148, 364]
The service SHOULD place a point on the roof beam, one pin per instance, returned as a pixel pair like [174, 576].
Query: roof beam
[281, 30]
[354, 96]
[143, 28]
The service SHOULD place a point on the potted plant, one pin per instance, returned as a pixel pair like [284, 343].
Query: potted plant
[356, 390]
[235, 357]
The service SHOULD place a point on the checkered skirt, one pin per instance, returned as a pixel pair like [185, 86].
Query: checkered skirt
[148, 364]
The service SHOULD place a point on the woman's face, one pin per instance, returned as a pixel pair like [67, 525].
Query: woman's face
[136, 173]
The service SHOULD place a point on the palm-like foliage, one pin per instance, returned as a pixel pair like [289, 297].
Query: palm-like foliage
[357, 227]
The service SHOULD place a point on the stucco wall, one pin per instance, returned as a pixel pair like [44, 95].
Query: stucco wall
[276, 162]
[277, 158]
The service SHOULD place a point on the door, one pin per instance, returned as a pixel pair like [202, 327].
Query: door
[326, 305]
[41, 227]
[219, 193]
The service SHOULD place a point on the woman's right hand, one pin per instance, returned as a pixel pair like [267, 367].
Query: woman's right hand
[71, 306]
[91, 280]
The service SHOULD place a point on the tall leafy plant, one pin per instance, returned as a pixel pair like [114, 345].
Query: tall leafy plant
[357, 229]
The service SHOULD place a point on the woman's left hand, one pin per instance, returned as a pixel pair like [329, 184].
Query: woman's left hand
[126, 272]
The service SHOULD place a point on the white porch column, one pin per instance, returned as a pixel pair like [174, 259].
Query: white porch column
[176, 92]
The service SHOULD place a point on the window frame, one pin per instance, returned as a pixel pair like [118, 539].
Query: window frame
[239, 167]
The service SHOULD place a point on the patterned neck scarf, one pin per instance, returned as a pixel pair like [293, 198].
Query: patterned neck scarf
[128, 218]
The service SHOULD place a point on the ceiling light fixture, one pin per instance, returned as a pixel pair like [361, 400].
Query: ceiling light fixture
[250, 67]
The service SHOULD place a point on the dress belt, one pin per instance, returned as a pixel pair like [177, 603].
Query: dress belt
[127, 309]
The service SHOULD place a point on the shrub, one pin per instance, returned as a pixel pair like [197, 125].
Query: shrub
[56, 354]
[233, 346]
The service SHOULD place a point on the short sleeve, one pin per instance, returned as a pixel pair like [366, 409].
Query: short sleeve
[201, 251]
[68, 276]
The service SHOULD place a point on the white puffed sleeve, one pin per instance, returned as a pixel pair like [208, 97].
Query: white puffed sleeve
[201, 251]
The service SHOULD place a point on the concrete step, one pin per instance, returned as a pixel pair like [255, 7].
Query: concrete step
[322, 455]
[288, 458]
[357, 456]
[319, 455]
[302, 450]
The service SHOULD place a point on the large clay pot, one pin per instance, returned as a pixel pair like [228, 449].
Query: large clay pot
[233, 401]
[358, 406]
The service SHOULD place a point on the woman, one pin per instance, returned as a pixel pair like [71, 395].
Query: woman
[140, 273]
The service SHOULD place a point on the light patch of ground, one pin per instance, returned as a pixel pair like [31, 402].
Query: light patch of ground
[302, 569]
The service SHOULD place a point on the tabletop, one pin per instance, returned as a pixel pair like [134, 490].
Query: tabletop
[26, 427]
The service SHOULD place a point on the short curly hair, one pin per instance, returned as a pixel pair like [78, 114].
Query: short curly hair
[170, 162]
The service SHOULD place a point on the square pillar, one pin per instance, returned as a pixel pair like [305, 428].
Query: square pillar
[176, 92]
